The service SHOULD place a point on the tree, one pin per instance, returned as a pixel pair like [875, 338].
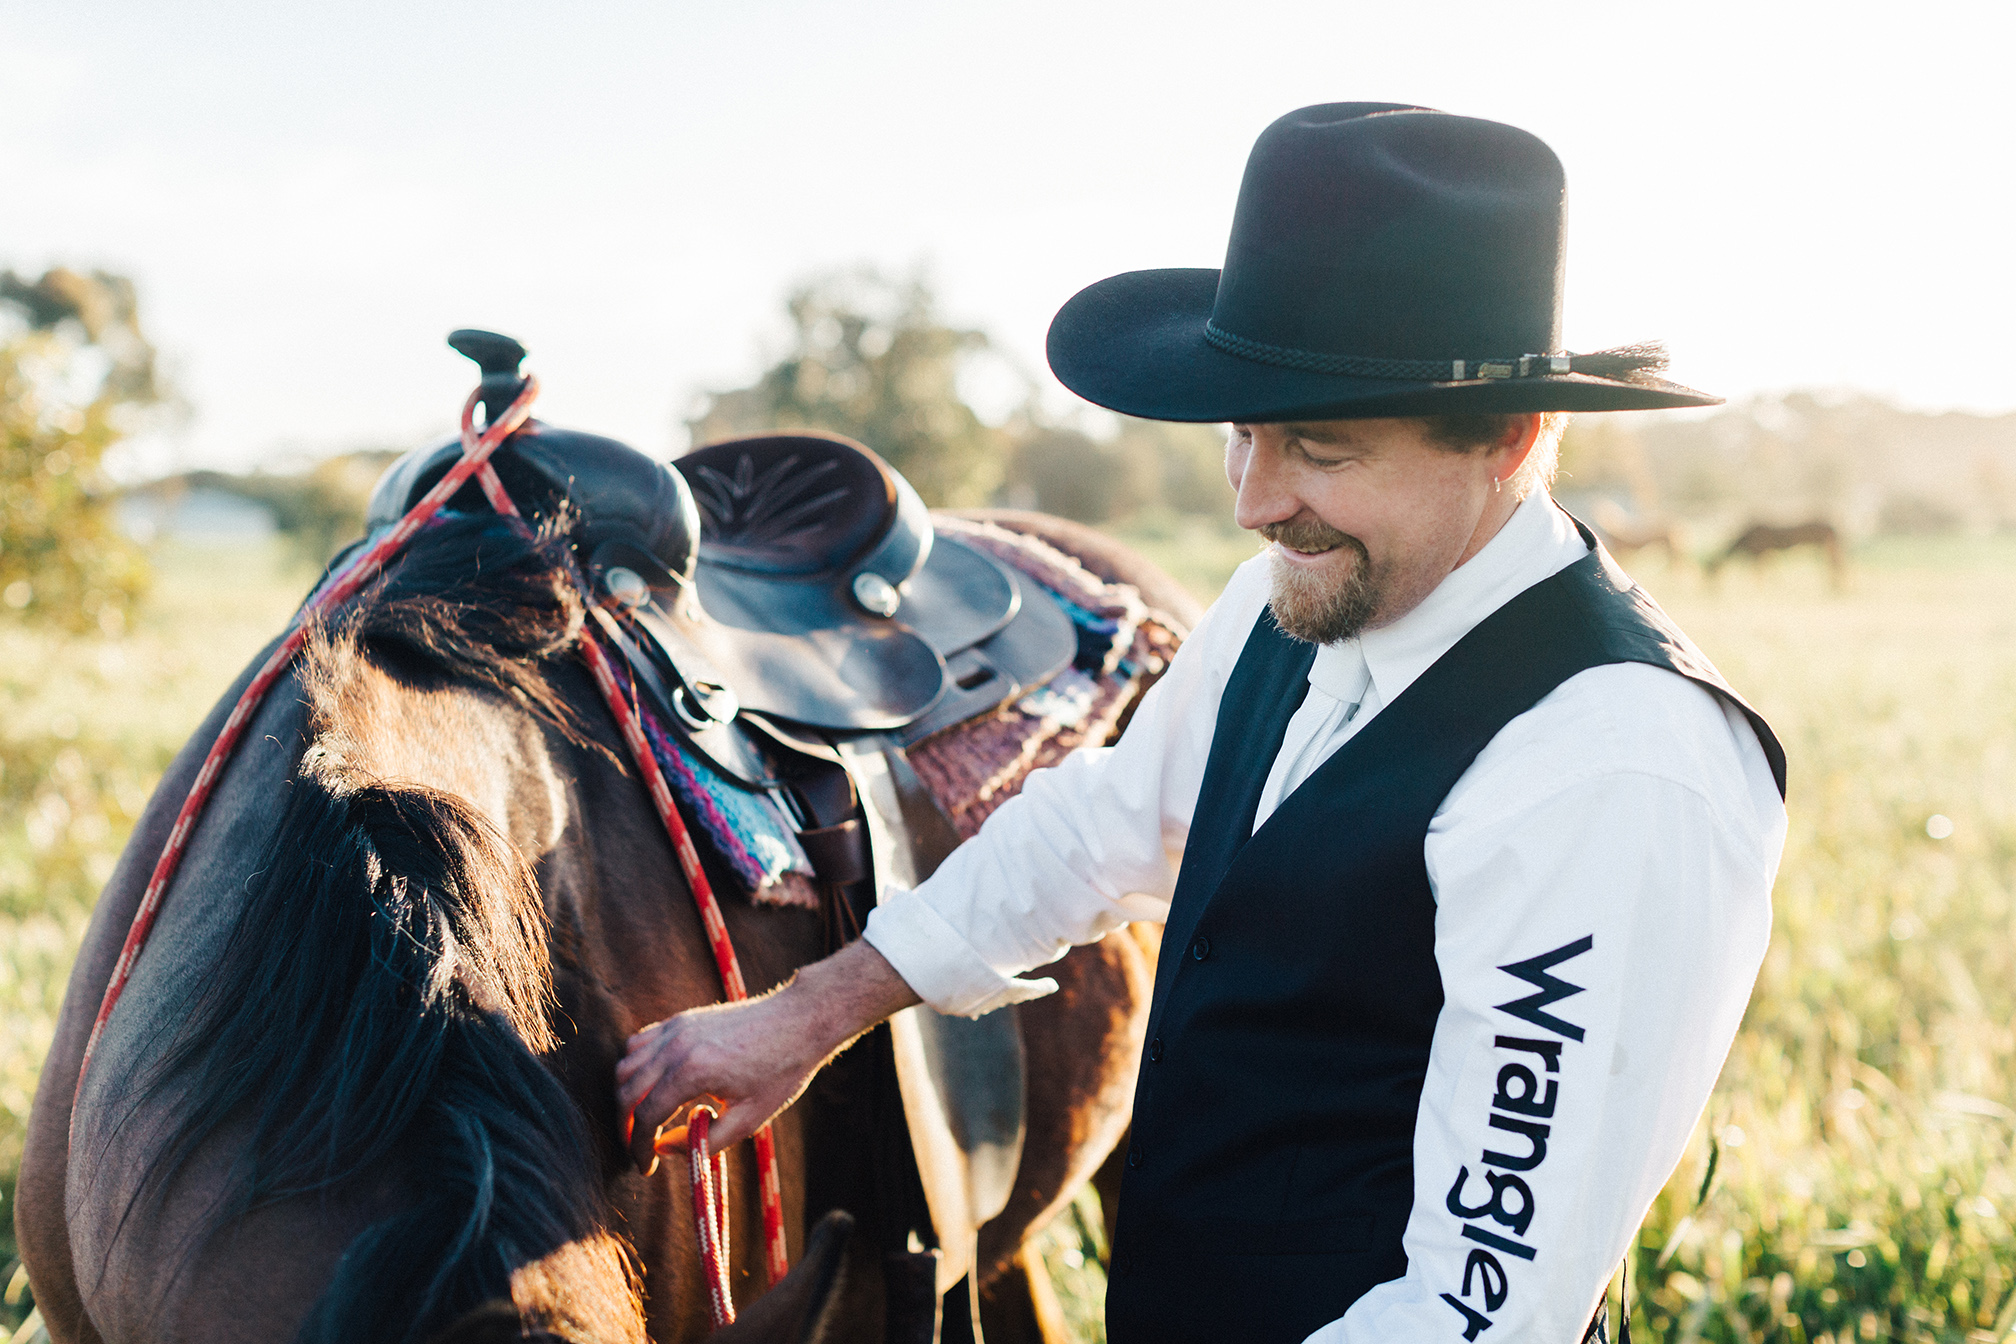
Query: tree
[76, 375]
[871, 359]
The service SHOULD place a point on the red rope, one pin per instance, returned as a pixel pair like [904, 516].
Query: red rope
[710, 1180]
[777, 1259]
[710, 1212]
[709, 1175]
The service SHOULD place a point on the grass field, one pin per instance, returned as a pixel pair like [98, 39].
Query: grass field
[1854, 1177]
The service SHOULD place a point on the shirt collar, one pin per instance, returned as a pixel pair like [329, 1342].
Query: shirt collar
[1537, 541]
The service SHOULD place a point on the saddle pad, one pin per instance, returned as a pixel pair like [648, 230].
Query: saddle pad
[976, 766]
[747, 830]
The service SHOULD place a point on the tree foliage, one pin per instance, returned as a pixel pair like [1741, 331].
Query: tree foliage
[76, 373]
[870, 358]
[1143, 467]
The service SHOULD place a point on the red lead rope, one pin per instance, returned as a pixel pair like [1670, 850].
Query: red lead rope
[709, 1171]
[716, 1254]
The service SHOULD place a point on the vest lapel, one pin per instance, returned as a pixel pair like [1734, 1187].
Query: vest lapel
[1265, 689]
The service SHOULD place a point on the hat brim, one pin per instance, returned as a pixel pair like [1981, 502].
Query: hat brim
[1135, 343]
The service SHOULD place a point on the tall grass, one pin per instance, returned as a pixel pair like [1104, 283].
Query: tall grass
[1857, 1158]
[1854, 1177]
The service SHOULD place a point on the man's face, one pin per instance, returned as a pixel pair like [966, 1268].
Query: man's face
[1366, 516]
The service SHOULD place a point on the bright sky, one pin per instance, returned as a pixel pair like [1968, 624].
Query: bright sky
[312, 196]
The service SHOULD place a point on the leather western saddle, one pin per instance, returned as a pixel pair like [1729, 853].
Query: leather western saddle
[797, 624]
[805, 597]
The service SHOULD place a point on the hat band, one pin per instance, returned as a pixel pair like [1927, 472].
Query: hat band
[1359, 366]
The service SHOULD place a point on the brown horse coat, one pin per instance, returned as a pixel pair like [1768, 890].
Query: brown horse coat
[403, 719]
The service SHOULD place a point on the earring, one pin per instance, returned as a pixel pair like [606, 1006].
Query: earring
[1496, 485]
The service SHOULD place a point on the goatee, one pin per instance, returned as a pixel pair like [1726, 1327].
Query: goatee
[1320, 609]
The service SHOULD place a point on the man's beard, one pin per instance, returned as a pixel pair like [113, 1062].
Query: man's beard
[1319, 609]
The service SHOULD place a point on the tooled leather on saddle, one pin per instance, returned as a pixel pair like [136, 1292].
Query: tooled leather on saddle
[787, 520]
[1073, 657]
[834, 604]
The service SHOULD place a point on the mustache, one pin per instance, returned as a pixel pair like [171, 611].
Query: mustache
[1309, 534]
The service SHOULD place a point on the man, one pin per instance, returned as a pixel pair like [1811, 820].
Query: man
[1477, 849]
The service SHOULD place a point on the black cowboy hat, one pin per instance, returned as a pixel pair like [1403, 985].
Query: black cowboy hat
[1385, 260]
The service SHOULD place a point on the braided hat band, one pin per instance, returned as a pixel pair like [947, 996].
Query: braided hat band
[1625, 362]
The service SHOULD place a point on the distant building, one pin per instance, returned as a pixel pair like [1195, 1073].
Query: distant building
[173, 510]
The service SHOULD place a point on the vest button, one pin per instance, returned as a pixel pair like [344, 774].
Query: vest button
[1134, 1155]
[1201, 948]
[1155, 1051]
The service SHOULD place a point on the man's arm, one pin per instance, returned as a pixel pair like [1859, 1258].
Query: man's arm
[1084, 848]
[1602, 882]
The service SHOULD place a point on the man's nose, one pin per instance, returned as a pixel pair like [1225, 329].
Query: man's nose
[1264, 495]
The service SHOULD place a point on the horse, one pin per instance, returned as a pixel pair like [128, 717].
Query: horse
[360, 1084]
[1760, 540]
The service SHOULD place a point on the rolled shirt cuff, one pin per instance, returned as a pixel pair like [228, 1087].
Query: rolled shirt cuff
[934, 960]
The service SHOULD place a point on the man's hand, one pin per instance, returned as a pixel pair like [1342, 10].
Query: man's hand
[750, 1059]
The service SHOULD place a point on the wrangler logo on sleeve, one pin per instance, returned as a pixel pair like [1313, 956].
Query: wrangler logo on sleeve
[1497, 1205]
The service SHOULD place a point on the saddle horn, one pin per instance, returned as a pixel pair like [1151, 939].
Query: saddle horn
[498, 357]
[631, 512]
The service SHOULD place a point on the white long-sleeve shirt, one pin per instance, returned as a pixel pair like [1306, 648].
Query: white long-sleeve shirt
[1630, 806]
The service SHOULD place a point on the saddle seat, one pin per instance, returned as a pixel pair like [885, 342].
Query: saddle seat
[813, 548]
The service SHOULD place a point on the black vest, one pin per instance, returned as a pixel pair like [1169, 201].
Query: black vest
[1271, 1170]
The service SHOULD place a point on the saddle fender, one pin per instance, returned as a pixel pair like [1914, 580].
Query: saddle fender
[964, 1081]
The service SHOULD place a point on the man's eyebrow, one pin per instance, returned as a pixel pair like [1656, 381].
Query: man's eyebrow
[1322, 433]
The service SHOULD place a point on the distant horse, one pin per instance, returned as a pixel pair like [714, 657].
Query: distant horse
[359, 1086]
[1760, 540]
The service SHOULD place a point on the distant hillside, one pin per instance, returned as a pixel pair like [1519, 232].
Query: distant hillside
[1858, 462]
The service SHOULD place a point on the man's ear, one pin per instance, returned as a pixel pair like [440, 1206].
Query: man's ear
[1515, 445]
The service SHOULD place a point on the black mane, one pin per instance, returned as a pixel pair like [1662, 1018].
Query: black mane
[381, 1006]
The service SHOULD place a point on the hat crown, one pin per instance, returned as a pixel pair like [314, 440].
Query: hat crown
[1389, 231]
